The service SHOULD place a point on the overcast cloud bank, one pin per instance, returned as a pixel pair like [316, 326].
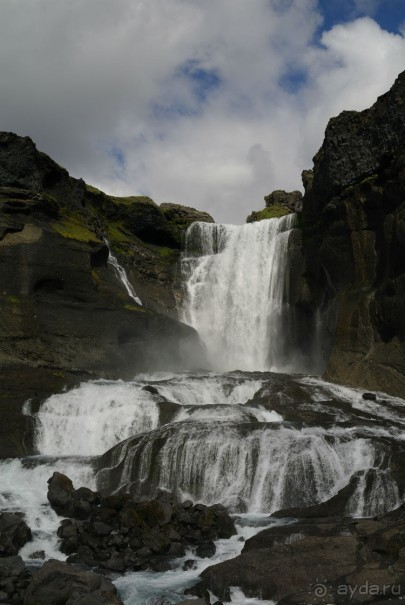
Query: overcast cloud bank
[211, 104]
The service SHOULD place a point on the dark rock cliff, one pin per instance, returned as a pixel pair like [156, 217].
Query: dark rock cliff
[64, 314]
[354, 243]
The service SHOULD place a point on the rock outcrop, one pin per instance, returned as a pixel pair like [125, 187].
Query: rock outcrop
[314, 561]
[14, 579]
[64, 314]
[58, 583]
[354, 243]
[14, 533]
[279, 203]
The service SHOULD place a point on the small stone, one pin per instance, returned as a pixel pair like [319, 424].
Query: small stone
[189, 564]
[206, 550]
[369, 396]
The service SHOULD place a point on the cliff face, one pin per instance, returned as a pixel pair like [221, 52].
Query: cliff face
[64, 314]
[354, 243]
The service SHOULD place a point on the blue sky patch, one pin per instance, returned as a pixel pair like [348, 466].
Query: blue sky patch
[293, 80]
[200, 82]
[389, 14]
[204, 81]
[119, 157]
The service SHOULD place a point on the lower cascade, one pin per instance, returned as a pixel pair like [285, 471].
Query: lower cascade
[246, 434]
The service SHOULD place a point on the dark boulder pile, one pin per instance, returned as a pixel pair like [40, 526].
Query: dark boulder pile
[118, 533]
[56, 583]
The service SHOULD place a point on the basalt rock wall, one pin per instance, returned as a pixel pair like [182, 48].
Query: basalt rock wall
[353, 223]
[64, 314]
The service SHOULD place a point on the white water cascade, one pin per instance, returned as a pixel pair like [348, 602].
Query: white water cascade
[236, 292]
[253, 440]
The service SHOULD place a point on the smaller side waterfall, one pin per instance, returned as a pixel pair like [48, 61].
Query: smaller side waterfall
[122, 275]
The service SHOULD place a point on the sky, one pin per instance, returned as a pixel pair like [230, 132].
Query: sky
[208, 103]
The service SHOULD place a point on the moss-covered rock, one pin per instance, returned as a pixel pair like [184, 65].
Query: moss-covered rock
[271, 212]
[292, 200]
[181, 217]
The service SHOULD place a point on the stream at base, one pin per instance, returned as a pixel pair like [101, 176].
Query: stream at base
[255, 442]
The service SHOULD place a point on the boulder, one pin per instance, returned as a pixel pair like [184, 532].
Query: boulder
[14, 533]
[66, 501]
[14, 579]
[58, 583]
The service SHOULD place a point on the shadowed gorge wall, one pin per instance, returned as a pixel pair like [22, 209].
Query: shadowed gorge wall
[354, 243]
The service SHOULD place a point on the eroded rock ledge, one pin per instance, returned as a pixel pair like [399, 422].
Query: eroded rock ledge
[318, 560]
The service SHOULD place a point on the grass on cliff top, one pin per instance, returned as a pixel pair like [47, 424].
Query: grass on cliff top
[132, 199]
[271, 212]
[72, 226]
[92, 189]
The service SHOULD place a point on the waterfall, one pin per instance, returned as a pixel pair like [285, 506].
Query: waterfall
[95, 416]
[255, 467]
[237, 291]
[122, 275]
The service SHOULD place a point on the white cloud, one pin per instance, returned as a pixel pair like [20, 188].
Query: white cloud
[202, 98]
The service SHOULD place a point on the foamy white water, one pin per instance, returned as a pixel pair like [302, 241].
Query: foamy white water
[385, 406]
[24, 487]
[217, 445]
[209, 389]
[236, 292]
[93, 417]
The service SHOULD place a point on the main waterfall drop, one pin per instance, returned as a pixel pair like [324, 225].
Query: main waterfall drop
[237, 293]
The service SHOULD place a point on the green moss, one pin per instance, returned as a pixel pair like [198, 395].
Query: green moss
[166, 256]
[271, 212]
[71, 226]
[58, 374]
[134, 308]
[117, 233]
[14, 300]
[96, 277]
